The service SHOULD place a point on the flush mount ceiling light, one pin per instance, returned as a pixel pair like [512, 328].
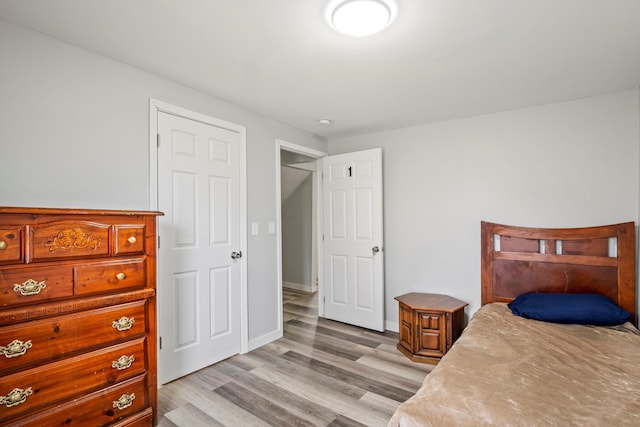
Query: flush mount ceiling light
[360, 18]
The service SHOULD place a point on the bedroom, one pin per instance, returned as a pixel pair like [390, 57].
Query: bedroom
[67, 115]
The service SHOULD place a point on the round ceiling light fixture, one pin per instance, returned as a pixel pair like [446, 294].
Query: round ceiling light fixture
[359, 18]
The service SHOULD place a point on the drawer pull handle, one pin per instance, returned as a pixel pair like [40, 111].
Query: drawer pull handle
[15, 348]
[123, 323]
[121, 276]
[132, 239]
[15, 397]
[123, 362]
[125, 401]
[30, 287]
[3, 245]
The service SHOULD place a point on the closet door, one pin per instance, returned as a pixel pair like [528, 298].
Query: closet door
[199, 256]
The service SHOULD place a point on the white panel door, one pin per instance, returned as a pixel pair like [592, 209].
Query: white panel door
[353, 258]
[199, 257]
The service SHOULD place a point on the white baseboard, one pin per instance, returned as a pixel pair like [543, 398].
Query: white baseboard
[264, 339]
[391, 326]
[296, 286]
[277, 334]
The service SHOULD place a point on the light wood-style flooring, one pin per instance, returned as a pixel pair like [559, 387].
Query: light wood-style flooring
[321, 373]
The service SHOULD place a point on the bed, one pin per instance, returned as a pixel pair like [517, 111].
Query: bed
[508, 370]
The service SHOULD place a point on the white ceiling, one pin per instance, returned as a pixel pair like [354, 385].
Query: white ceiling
[440, 59]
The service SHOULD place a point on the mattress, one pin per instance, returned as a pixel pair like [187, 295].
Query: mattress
[509, 371]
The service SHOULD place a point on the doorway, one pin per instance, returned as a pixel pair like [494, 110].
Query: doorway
[350, 259]
[297, 222]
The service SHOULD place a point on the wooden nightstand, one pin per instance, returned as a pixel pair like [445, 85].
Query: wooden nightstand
[429, 325]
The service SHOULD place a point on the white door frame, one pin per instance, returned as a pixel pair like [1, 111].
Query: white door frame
[155, 107]
[316, 154]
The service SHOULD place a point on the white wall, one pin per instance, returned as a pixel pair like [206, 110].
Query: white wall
[566, 164]
[74, 133]
[297, 237]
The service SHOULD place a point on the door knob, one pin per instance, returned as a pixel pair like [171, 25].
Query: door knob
[375, 249]
[236, 255]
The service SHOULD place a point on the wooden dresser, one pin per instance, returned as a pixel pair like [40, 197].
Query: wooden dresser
[77, 317]
[429, 325]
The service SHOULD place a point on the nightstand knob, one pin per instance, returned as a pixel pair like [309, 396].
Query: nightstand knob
[132, 239]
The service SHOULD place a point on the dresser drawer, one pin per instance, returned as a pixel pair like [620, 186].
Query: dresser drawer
[109, 276]
[129, 239]
[68, 239]
[31, 390]
[41, 341]
[143, 419]
[100, 408]
[10, 244]
[29, 285]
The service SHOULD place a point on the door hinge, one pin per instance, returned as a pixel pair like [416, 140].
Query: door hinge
[160, 341]
[158, 242]
[158, 140]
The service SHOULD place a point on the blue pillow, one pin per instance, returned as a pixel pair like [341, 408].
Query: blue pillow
[582, 309]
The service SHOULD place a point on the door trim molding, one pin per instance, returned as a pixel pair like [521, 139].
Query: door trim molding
[155, 107]
[310, 152]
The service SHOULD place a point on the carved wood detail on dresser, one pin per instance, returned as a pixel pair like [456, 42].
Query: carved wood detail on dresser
[77, 317]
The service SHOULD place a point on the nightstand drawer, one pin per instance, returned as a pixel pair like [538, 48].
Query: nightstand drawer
[431, 343]
[429, 320]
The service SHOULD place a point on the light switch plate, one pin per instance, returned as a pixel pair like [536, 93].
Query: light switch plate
[272, 227]
[255, 229]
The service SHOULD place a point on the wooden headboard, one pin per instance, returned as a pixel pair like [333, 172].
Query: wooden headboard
[517, 260]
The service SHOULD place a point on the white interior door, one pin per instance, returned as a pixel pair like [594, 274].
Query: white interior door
[353, 259]
[199, 308]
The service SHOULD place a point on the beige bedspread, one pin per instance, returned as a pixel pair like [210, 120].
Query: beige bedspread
[508, 371]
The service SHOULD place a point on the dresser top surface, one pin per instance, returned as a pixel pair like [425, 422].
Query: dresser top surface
[73, 211]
